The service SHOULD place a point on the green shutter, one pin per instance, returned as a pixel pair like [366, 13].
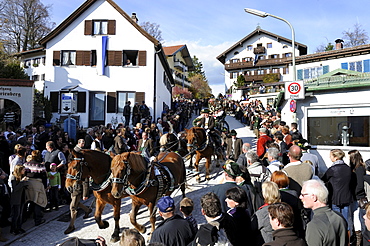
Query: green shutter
[325, 69]
[366, 66]
[300, 74]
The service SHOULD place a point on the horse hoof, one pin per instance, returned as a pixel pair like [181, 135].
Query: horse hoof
[114, 239]
[105, 225]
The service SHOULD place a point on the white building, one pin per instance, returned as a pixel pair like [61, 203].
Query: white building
[258, 56]
[108, 59]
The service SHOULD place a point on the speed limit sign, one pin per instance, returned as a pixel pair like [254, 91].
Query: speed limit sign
[294, 90]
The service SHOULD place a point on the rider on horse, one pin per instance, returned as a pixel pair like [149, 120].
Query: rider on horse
[207, 122]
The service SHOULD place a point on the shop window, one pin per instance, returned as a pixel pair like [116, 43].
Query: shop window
[328, 130]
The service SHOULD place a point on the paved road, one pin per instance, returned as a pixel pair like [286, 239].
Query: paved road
[51, 232]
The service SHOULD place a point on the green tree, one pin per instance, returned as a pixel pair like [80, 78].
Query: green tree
[198, 68]
[270, 78]
[12, 70]
[240, 81]
[323, 47]
[199, 83]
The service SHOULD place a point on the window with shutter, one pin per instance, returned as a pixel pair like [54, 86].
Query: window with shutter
[93, 58]
[130, 57]
[142, 58]
[56, 58]
[54, 101]
[112, 27]
[79, 58]
[111, 102]
[139, 97]
[344, 65]
[114, 58]
[366, 66]
[81, 102]
[325, 69]
[88, 27]
[231, 75]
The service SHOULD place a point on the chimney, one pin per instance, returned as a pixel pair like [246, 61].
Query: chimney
[134, 18]
[339, 44]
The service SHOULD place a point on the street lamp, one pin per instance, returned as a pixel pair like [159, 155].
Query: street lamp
[264, 15]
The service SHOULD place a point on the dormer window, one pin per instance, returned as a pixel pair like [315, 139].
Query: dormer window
[100, 27]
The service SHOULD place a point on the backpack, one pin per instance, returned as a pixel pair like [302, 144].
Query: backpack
[258, 198]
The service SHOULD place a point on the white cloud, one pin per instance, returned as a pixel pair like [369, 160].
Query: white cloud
[207, 55]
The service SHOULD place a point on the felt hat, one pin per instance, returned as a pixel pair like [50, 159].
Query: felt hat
[232, 168]
[262, 129]
[205, 110]
[233, 132]
[166, 204]
[303, 144]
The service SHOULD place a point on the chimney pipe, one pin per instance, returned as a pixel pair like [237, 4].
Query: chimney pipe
[339, 44]
[134, 18]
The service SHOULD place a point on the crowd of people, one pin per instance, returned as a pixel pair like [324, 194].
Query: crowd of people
[33, 161]
[278, 194]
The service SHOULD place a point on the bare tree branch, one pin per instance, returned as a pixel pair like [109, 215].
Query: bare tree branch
[356, 37]
[152, 29]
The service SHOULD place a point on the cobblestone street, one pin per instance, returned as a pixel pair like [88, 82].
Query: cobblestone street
[51, 232]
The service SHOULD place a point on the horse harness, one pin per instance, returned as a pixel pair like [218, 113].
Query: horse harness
[94, 186]
[202, 146]
[157, 174]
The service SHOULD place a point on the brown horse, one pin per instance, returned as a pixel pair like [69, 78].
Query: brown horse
[146, 182]
[94, 164]
[198, 142]
[171, 142]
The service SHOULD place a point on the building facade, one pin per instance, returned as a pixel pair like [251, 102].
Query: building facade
[180, 62]
[105, 58]
[260, 56]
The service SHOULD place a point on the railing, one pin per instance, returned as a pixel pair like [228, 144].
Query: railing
[338, 81]
[259, 50]
[250, 78]
[180, 65]
[250, 64]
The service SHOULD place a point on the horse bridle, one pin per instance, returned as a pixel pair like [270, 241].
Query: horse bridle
[124, 180]
[78, 175]
[195, 142]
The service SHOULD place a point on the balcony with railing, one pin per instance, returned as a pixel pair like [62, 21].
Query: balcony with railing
[259, 50]
[260, 63]
[180, 65]
[259, 77]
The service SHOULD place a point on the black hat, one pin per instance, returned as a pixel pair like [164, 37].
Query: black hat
[205, 110]
[303, 143]
[233, 132]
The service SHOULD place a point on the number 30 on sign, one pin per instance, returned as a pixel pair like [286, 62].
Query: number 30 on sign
[294, 90]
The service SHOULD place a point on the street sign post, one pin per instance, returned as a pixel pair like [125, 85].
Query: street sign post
[69, 103]
[294, 90]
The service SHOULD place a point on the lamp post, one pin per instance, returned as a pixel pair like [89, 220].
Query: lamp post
[264, 15]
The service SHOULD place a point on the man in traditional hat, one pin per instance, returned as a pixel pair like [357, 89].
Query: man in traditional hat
[208, 123]
[231, 171]
[234, 146]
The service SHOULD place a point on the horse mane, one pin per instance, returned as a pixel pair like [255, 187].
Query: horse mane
[136, 161]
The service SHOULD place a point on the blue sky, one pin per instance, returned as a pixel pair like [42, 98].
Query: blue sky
[210, 27]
